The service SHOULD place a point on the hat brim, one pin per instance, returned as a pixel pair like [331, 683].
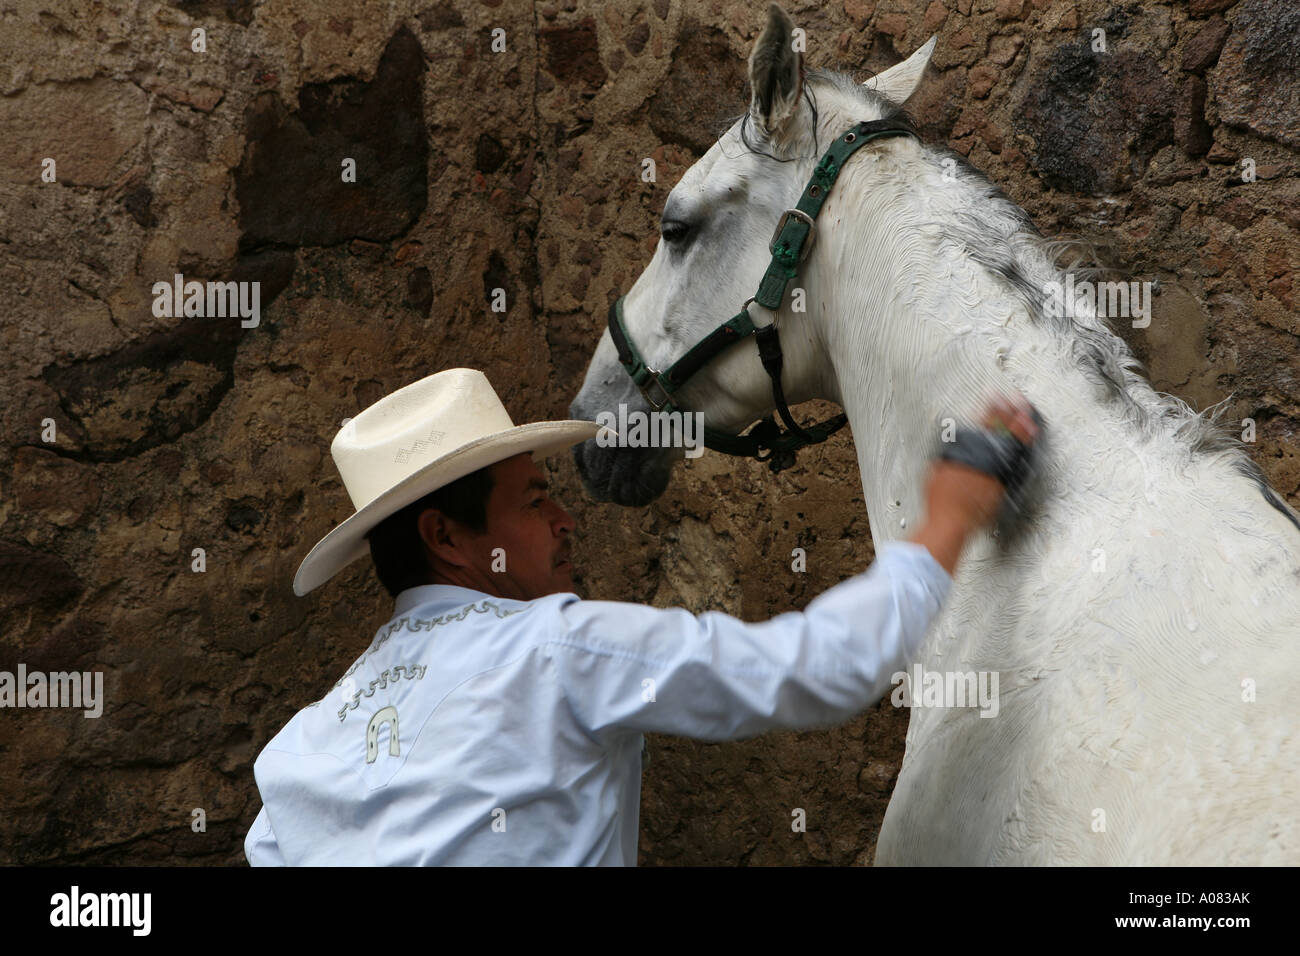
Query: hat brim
[347, 542]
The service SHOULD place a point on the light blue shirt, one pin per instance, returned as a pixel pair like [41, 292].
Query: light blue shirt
[481, 730]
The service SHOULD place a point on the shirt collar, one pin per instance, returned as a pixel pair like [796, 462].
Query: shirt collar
[435, 594]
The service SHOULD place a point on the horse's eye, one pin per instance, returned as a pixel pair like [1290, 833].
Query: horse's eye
[674, 232]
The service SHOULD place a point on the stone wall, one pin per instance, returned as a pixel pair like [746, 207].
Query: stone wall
[519, 170]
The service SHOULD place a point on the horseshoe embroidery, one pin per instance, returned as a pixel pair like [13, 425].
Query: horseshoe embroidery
[387, 715]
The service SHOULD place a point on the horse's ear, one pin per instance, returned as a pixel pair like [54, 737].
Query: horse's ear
[900, 81]
[775, 74]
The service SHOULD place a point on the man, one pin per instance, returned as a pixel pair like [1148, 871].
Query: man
[497, 718]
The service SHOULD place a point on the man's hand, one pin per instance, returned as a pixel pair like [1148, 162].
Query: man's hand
[958, 499]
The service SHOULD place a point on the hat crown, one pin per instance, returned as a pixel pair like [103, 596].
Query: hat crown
[403, 432]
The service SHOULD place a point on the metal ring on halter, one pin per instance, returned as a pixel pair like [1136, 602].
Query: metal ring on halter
[745, 307]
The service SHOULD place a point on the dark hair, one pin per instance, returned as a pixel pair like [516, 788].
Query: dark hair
[398, 550]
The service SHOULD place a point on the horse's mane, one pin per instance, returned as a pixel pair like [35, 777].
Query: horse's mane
[998, 235]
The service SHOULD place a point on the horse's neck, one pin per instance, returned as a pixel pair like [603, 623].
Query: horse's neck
[929, 338]
[916, 333]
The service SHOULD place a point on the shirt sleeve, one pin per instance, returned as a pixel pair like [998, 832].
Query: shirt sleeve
[632, 668]
[260, 846]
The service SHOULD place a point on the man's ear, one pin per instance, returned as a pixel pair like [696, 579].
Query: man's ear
[443, 537]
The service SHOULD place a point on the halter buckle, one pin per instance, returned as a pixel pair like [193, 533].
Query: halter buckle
[651, 378]
[802, 217]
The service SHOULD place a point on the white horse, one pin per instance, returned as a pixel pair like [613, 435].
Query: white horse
[1144, 620]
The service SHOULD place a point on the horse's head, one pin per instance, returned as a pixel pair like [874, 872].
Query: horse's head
[713, 251]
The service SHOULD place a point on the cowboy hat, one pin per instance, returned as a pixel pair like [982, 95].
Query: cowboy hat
[415, 441]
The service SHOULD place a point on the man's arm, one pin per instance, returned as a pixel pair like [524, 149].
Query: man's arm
[627, 667]
[632, 668]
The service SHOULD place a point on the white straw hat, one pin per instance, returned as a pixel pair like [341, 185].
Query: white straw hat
[415, 441]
